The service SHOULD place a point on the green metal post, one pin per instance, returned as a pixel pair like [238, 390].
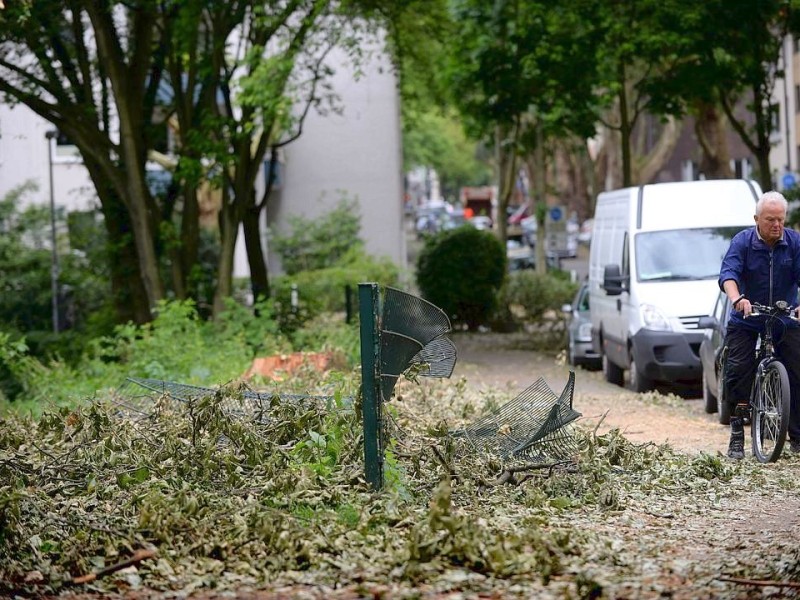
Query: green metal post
[368, 310]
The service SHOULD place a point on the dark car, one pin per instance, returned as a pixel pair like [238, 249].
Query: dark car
[579, 331]
[712, 355]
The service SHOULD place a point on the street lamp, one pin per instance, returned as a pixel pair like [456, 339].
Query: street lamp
[50, 135]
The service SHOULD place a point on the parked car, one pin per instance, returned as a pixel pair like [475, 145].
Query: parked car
[579, 331]
[712, 355]
[481, 222]
[430, 218]
[519, 256]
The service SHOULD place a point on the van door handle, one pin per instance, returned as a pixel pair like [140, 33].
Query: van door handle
[619, 305]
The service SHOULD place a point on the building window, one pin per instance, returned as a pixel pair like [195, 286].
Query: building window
[65, 150]
[797, 98]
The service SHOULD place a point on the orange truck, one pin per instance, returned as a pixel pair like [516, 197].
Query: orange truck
[478, 201]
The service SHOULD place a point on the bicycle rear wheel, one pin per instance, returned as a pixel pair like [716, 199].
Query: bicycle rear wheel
[770, 407]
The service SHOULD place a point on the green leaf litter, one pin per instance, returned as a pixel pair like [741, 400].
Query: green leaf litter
[228, 502]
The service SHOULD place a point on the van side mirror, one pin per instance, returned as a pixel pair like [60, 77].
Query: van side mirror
[614, 283]
[706, 322]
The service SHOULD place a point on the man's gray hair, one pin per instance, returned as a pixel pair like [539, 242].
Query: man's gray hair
[772, 196]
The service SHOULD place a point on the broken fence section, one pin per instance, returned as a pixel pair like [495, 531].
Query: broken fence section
[238, 401]
[533, 427]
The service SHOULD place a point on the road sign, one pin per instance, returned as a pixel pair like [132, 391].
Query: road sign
[556, 213]
[788, 181]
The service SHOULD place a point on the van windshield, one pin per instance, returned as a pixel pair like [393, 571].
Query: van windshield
[682, 254]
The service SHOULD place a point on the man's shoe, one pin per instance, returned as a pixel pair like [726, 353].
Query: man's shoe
[736, 445]
[794, 446]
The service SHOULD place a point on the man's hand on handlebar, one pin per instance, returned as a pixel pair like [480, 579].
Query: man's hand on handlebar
[744, 307]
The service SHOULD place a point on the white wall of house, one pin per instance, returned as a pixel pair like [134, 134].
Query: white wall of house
[356, 154]
[24, 156]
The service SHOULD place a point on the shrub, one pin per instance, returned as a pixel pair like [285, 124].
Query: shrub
[323, 290]
[313, 244]
[535, 300]
[460, 271]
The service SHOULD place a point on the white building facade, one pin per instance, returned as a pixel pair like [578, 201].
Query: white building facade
[356, 155]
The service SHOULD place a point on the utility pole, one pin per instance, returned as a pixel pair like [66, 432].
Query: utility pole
[50, 135]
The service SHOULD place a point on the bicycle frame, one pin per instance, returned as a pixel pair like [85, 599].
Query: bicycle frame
[770, 394]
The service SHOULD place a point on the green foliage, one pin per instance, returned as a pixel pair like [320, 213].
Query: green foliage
[25, 277]
[553, 50]
[435, 139]
[460, 271]
[313, 244]
[176, 346]
[536, 296]
[323, 290]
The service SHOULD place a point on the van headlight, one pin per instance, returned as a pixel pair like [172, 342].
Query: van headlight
[585, 332]
[653, 318]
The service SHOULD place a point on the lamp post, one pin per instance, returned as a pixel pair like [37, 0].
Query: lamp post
[50, 135]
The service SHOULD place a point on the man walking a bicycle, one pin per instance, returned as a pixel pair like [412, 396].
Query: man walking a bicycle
[762, 265]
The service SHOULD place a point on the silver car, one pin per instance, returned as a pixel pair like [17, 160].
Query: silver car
[579, 331]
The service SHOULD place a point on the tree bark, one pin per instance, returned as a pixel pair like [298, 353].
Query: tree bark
[128, 82]
[127, 288]
[259, 276]
[710, 128]
[229, 230]
[658, 156]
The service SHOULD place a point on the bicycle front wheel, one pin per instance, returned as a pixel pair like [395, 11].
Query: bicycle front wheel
[770, 405]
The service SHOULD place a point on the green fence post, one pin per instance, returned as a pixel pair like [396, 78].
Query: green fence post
[368, 307]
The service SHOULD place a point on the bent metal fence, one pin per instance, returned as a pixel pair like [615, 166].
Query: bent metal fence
[400, 332]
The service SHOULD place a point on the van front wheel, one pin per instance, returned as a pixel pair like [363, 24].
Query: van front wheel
[613, 373]
[638, 382]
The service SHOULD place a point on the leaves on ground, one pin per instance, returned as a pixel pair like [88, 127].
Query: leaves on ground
[227, 501]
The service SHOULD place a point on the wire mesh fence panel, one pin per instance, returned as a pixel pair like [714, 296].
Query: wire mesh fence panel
[412, 331]
[235, 400]
[532, 427]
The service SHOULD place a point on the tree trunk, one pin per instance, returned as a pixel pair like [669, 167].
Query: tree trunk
[190, 236]
[128, 76]
[539, 171]
[127, 288]
[658, 156]
[130, 296]
[624, 128]
[710, 128]
[259, 276]
[506, 165]
[228, 231]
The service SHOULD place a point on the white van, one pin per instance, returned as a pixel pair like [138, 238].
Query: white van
[654, 261]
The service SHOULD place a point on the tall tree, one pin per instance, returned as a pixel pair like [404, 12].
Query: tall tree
[524, 72]
[82, 66]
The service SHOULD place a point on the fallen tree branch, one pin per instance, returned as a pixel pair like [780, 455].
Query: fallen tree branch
[508, 475]
[137, 557]
[760, 582]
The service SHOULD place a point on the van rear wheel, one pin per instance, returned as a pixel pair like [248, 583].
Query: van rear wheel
[612, 372]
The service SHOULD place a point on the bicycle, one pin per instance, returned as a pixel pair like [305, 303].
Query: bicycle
[770, 395]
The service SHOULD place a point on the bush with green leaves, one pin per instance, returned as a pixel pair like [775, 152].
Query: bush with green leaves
[535, 300]
[314, 244]
[321, 258]
[26, 260]
[177, 346]
[323, 290]
[461, 271]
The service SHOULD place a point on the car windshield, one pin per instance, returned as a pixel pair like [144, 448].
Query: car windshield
[682, 254]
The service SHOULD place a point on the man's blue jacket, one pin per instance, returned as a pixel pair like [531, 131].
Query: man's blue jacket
[764, 275]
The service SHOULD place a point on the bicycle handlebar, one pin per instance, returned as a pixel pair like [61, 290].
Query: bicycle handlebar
[781, 307]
